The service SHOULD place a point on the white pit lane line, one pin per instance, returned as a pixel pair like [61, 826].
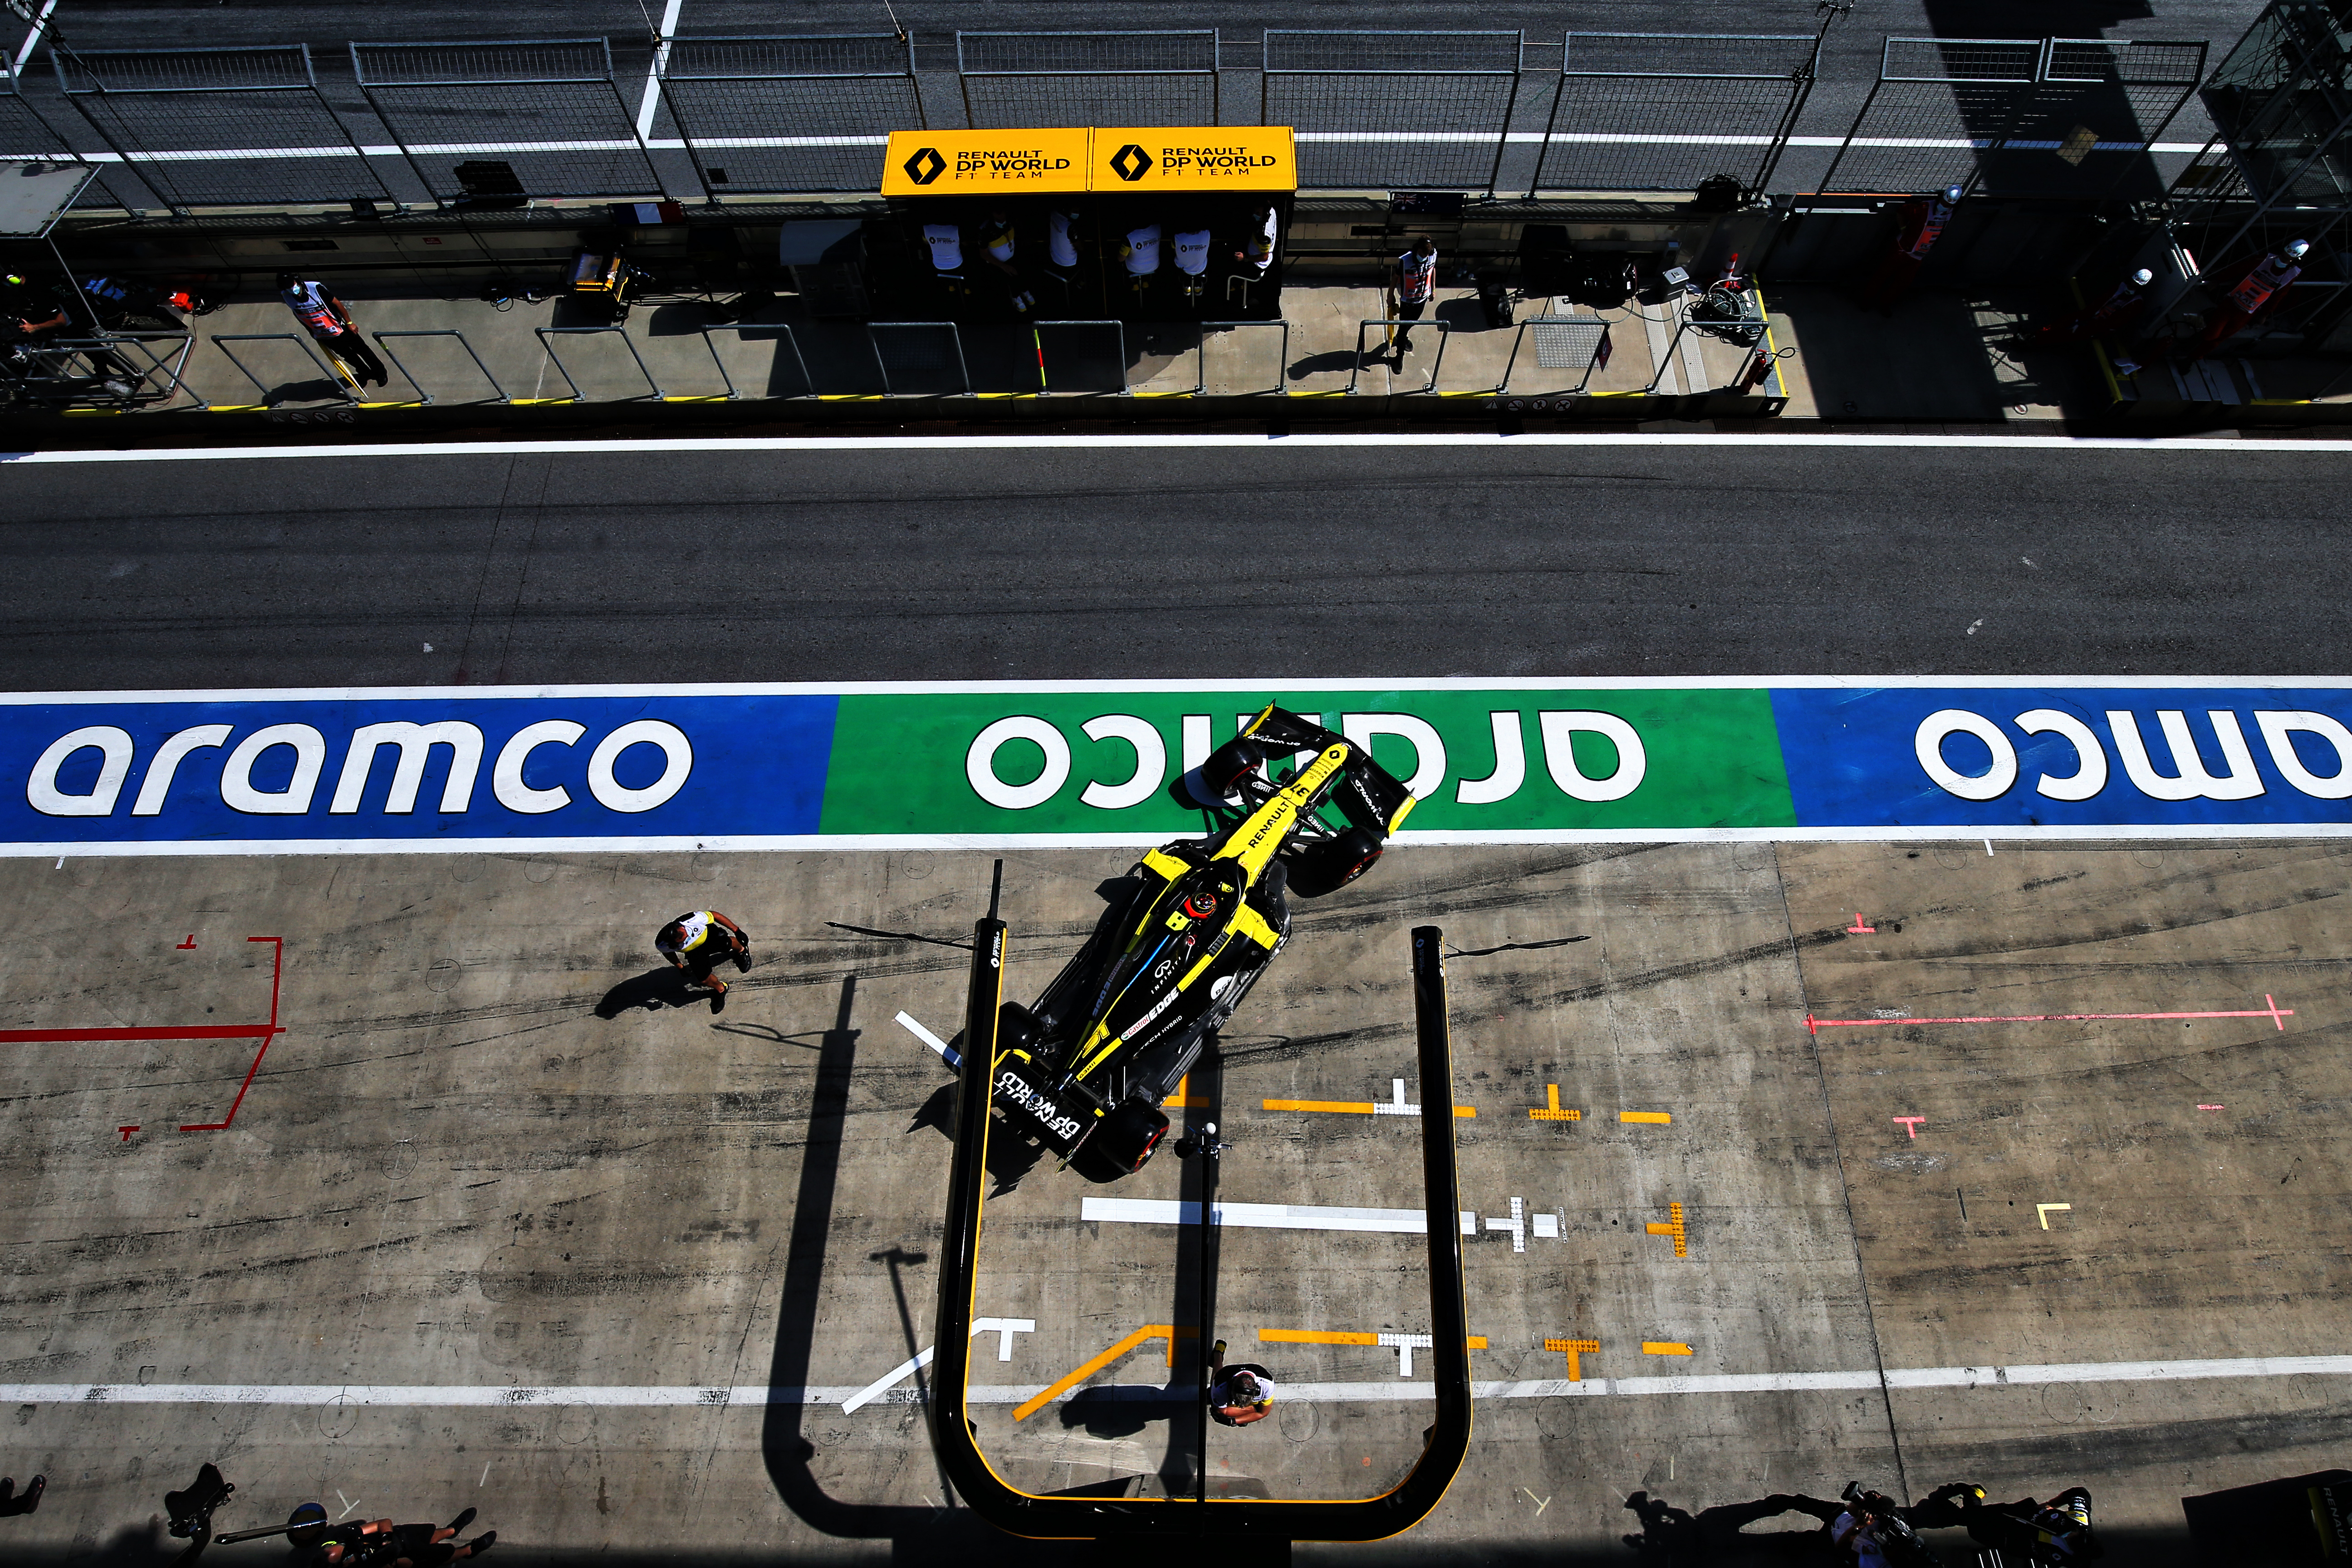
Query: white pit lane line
[788, 445]
[645, 1397]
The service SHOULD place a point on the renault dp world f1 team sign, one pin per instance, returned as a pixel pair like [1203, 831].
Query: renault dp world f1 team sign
[1086, 763]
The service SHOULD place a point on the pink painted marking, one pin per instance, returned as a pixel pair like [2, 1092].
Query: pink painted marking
[2275, 1013]
[1910, 1123]
[1858, 929]
[2213, 1108]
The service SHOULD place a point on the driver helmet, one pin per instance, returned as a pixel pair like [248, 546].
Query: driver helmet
[2143, 277]
[2295, 249]
[1951, 195]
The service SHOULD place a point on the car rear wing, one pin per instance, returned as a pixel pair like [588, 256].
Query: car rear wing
[1367, 795]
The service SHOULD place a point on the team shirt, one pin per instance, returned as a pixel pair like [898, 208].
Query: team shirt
[1143, 250]
[997, 239]
[310, 303]
[1420, 277]
[1193, 251]
[1058, 239]
[946, 241]
[1258, 249]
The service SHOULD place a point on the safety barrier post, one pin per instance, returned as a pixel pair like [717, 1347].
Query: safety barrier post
[653, 387]
[221, 341]
[964, 372]
[1560, 341]
[1281, 363]
[808, 381]
[1444, 332]
[497, 392]
[1045, 387]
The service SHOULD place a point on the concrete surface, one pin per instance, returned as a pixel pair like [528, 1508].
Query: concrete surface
[449, 1173]
[1006, 561]
[1936, 356]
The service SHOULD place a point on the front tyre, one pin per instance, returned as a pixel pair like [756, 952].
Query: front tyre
[1332, 864]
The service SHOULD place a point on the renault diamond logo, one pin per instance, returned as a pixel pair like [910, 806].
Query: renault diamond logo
[925, 166]
[1131, 163]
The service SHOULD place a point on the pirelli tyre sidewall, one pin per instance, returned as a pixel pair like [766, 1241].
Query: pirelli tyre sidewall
[1326, 867]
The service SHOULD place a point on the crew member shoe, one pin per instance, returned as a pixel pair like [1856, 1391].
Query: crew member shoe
[718, 1001]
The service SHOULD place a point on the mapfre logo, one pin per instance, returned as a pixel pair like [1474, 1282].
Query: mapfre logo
[925, 165]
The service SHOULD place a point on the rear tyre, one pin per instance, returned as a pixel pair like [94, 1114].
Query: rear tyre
[1327, 866]
[1222, 774]
[1124, 1143]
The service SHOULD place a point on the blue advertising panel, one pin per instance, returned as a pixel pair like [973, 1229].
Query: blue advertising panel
[2066, 757]
[413, 770]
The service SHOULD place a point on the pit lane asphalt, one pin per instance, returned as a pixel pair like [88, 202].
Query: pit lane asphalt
[1020, 562]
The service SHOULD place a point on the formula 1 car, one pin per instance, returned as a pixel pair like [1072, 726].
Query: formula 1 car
[1084, 1071]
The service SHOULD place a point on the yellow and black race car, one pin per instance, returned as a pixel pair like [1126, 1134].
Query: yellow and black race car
[1084, 1071]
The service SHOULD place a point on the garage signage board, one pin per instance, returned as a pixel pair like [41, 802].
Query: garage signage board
[1192, 158]
[1091, 762]
[984, 163]
[1137, 158]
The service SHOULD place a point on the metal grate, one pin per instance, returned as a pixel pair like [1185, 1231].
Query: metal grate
[500, 123]
[790, 113]
[1661, 111]
[219, 126]
[1057, 80]
[1394, 109]
[1566, 343]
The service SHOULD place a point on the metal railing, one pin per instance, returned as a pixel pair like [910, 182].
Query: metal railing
[1281, 363]
[808, 381]
[1562, 342]
[1445, 332]
[497, 392]
[653, 387]
[916, 360]
[336, 377]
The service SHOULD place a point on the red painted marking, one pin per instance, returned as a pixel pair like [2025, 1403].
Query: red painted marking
[192, 941]
[1858, 929]
[1910, 1123]
[276, 969]
[127, 1131]
[265, 1033]
[2273, 1012]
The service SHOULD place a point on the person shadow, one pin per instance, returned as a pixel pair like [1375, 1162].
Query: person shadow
[653, 990]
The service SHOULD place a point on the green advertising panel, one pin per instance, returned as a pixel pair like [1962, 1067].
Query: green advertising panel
[1502, 761]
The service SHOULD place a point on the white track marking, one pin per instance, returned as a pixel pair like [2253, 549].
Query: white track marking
[1255, 1216]
[33, 39]
[644, 1397]
[948, 1053]
[787, 445]
[651, 99]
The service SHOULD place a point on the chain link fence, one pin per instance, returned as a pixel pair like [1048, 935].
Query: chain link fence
[1937, 105]
[790, 113]
[212, 127]
[496, 124]
[2026, 117]
[1666, 112]
[1042, 80]
[1394, 109]
[2087, 125]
